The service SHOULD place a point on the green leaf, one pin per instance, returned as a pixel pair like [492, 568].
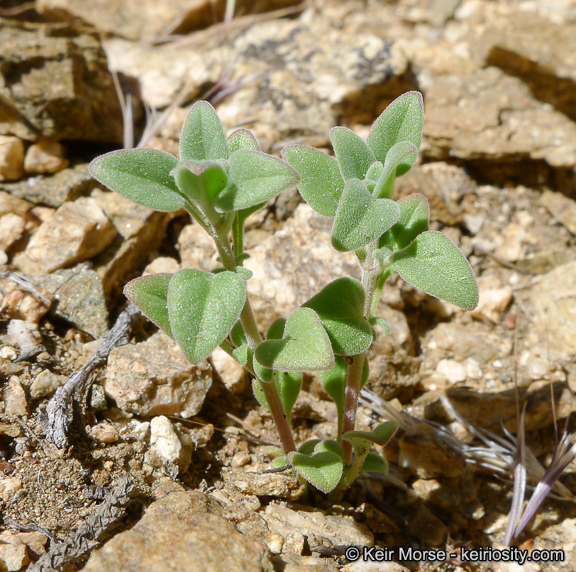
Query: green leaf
[340, 306]
[360, 217]
[272, 451]
[402, 120]
[237, 334]
[202, 136]
[265, 375]
[322, 470]
[307, 448]
[150, 294]
[320, 181]
[362, 440]
[414, 220]
[329, 446]
[305, 345]
[374, 463]
[254, 178]
[434, 263]
[352, 153]
[373, 175]
[203, 307]
[242, 355]
[242, 139]
[376, 320]
[276, 329]
[141, 175]
[399, 155]
[288, 383]
[280, 462]
[200, 181]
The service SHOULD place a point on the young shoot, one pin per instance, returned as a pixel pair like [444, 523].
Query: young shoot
[220, 181]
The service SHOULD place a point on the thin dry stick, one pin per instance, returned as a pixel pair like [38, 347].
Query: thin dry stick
[59, 409]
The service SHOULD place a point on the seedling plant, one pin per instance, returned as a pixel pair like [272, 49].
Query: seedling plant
[220, 182]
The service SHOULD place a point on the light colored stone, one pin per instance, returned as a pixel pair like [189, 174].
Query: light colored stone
[9, 486]
[45, 156]
[11, 158]
[196, 248]
[361, 566]
[162, 265]
[319, 529]
[452, 370]
[562, 208]
[77, 231]
[135, 430]
[12, 552]
[22, 305]
[172, 446]
[104, 433]
[15, 404]
[267, 484]
[46, 383]
[11, 204]
[23, 334]
[232, 373]
[11, 230]
[494, 299]
[489, 115]
[182, 532]
[154, 378]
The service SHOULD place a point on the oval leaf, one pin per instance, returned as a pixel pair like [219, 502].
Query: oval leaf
[203, 307]
[414, 220]
[305, 345]
[242, 139]
[434, 263]
[322, 470]
[340, 306]
[380, 435]
[202, 136]
[254, 178]
[352, 153]
[400, 154]
[150, 294]
[141, 175]
[201, 181]
[320, 181]
[374, 463]
[360, 217]
[402, 120]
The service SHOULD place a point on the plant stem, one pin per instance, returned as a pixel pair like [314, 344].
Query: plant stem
[280, 419]
[353, 382]
[354, 379]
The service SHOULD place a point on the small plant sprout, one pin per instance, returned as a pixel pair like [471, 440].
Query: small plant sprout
[221, 181]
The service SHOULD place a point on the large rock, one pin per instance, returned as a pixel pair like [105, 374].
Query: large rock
[180, 533]
[55, 83]
[487, 115]
[77, 231]
[149, 19]
[154, 378]
[355, 75]
[535, 49]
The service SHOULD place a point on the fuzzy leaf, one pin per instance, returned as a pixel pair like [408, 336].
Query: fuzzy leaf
[150, 294]
[242, 139]
[322, 470]
[289, 384]
[402, 120]
[254, 178]
[307, 448]
[321, 183]
[360, 217]
[376, 320]
[374, 463]
[400, 154]
[202, 136]
[340, 306]
[280, 462]
[305, 345]
[352, 153]
[434, 263]
[203, 307]
[380, 435]
[373, 175]
[242, 354]
[141, 175]
[200, 181]
[330, 446]
[414, 220]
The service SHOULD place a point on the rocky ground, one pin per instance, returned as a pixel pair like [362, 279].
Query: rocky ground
[164, 466]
